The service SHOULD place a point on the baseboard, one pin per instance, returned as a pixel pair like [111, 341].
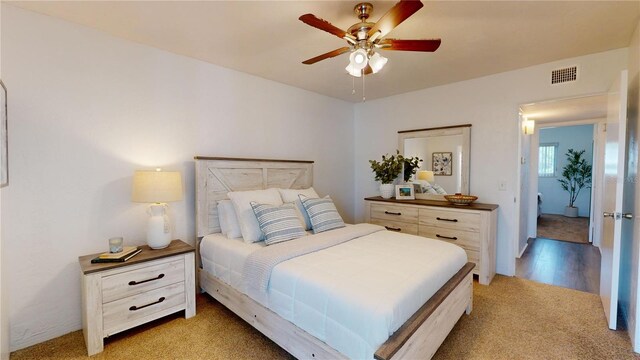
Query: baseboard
[523, 249]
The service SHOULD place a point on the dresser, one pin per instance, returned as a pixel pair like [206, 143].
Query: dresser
[472, 227]
[150, 285]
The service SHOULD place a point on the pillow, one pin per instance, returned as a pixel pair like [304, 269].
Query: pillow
[228, 219]
[249, 226]
[291, 195]
[439, 189]
[278, 223]
[322, 213]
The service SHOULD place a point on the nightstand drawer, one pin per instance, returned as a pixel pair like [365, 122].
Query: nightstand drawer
[394, 213]
[120, 313]
[397, 226]
[465, 239]
[138, 281]
[450, 219]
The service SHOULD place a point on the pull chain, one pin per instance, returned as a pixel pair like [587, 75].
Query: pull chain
[353, 85]
[363, 97]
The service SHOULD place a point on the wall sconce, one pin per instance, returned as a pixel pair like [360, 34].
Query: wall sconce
[528, 126]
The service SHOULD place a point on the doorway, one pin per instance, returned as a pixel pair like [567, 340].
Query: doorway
[556, 242]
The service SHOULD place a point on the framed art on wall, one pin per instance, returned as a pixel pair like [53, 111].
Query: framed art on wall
[441, 163]
[4, 149]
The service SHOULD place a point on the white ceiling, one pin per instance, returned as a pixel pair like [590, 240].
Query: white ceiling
[265, 38]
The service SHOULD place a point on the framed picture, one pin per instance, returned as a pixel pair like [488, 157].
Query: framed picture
[4, 154]
[441, 163]
[405, 192]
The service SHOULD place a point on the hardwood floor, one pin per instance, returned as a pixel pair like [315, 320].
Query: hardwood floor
[561, 263]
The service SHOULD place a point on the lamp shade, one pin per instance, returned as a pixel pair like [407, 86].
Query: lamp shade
[156, 186]
[528, 126]
[425, 175]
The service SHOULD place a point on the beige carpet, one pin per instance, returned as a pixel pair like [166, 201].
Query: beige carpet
[511, 319]
[560, 227]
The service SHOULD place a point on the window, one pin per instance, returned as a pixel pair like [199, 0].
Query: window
[547, 160]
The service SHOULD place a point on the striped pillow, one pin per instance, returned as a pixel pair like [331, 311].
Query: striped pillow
[322, 213]
[278, 223]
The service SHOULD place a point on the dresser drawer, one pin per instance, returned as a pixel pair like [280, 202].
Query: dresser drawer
[394, 213]
[138, 281]
[465, 239]
[450, 219]
[397, 226]
[474, 257]
[117, 314]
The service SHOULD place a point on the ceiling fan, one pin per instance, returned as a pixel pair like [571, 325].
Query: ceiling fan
[365, 37]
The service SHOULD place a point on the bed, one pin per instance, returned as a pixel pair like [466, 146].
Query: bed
[331, 304]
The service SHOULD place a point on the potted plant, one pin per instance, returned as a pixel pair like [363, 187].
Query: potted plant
[411, 165]
[576, 176]
[386, 172]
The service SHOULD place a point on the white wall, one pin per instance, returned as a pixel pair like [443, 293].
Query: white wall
[490, 104]
[4, 294]
[554, 198]
[88, 109]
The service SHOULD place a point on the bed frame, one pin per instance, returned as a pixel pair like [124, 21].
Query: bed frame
[418, 337]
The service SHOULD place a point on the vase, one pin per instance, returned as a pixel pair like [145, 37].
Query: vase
[387, 191]
[571, 211]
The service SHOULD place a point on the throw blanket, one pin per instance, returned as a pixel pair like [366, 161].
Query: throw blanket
[258, 266]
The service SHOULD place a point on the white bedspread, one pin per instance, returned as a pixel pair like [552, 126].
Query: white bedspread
[352, 296]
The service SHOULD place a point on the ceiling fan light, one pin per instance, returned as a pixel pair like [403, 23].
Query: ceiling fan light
[352, 71]
[358, 59]
[377, 62]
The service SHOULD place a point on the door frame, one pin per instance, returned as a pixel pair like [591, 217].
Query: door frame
[531, 195]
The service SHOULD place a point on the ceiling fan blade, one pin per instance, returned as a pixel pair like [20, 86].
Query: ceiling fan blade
[318, 23]
[328, 55]
[397, 14]
[409, 45]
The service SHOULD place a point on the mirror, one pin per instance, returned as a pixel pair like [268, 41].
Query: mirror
[446, 152]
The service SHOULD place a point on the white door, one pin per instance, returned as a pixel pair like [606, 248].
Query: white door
[614, 161]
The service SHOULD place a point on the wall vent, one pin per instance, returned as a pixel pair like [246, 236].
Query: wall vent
[567, 74]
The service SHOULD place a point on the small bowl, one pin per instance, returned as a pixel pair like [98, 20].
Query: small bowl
[459, 199]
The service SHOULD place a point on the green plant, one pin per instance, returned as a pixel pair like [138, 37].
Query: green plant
[576, 174]
[389, 168]
[411, 165]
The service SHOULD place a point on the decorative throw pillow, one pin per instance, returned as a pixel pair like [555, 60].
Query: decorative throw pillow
[242, 204]
[228, 219]
[291, 195]
[322, 213]
[278, 223]
[439, 189]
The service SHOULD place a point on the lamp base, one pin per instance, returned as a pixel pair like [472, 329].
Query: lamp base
[158, 227]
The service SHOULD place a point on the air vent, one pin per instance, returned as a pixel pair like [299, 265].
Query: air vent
[564, 75]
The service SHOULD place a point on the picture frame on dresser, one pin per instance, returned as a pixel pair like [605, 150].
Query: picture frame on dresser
[405, 192]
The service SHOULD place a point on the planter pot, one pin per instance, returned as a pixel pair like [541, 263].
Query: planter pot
[387, 191]
[571, 211]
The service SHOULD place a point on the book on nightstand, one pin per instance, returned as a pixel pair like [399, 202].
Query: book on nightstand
[127, 253]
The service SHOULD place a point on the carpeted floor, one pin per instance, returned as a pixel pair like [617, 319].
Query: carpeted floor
[560, 227]
[511, 319]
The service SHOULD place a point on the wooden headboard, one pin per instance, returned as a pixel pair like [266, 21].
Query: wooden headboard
[216, 176]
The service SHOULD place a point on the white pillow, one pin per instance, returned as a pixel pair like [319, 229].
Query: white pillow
[249, 226]
[291, 195]
[439, 189]
[228, 219]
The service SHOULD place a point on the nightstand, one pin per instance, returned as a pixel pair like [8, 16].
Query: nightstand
[119, 296]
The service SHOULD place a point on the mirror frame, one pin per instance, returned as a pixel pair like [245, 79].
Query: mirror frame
[464, 130]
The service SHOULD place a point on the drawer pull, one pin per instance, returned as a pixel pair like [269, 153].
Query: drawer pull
[132, 283]
[393, 229]
[134, 308]
[446, 237]
[444, 219]
[392, 213]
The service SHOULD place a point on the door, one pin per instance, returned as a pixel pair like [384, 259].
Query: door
[614, 168]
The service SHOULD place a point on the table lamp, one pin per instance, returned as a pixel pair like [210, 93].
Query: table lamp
[158, 188]
[426, 175]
